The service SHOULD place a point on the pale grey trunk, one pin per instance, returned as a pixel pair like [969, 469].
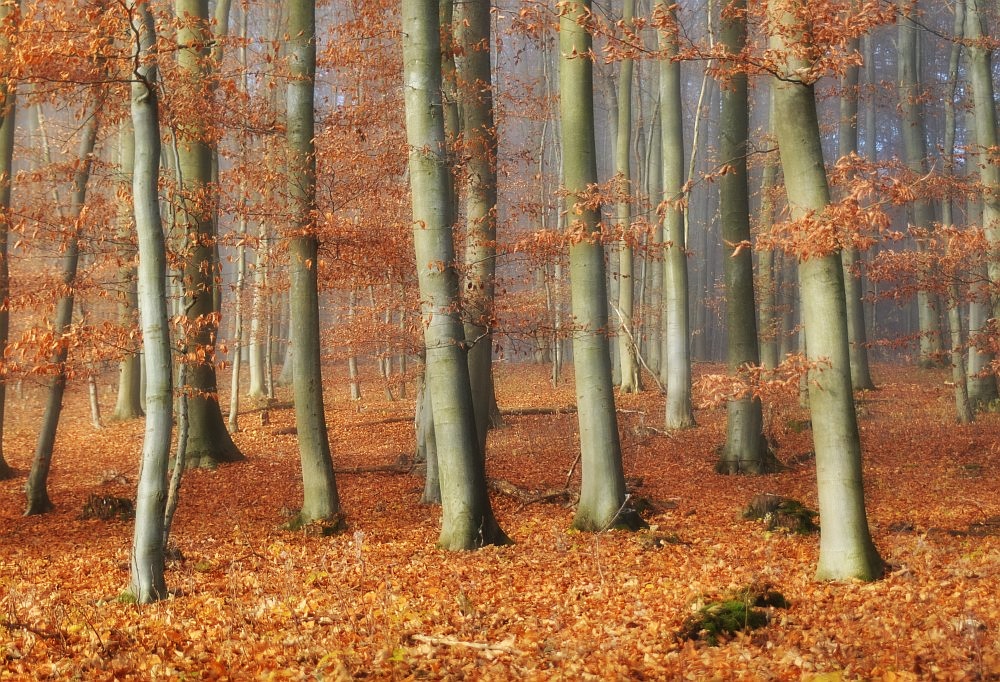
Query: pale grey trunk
[746, 448]
[980, 71]
[915, 153]
[7, 108]
[852, 261]
[628, 358]
[602, 489]
[467, 519]
[259, 321]
[427, 445]
[320, 499]
[209, 442]
[147, 582]
[472, 33]
[846, 548]
[963, 409]
[237, 346]
[128, 404]
[352, 360]
[770, 321]
[37, 487]
[653, 321]
[675, 360]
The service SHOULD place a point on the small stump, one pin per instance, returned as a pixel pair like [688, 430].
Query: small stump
[108, 508]
[781, 512]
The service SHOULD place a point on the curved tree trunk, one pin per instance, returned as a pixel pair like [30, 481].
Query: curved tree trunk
[675, 362]
[846, 549]
[746, 448]
[147, 582]
[37, 490]
[467, 519]
[320, 498]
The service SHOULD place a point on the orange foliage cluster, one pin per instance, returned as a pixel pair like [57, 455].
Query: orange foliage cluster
[253, 601]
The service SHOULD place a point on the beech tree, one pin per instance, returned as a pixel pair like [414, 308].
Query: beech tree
[320, 501]
[147, 582]
[209, 441]
[746, 449]
[846, 548]
[602, 488]
[467, 519]
[8, 101]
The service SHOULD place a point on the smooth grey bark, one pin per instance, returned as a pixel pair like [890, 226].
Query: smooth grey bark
[128, 404]
[352, 359]
[745, 450]
[475, 96]
[259, 323]
[915, 156]
[628, 353]
[147, 582]
[38, 501]
[209, 442]
[847, 137]
[320, 497]
[675, 360]
[427, 445]
[602, 488]
[654, 181]
[980, 69]
[467, 519]
[964, 414]
[770, 321]
[8, 102]
[846, 549]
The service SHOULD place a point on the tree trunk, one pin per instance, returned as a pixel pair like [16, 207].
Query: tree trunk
[128, 404]
[770, 323]
[676, 356]
[746, 448]
[467, 519]
[320, 498]
[147, 582]
[915, 152]
[8, 102]
[846, 549]
[602, 490]
[209, 442]
[627, 343]
[472, 32]
[980, 70]
[852, 261]
[37, 492]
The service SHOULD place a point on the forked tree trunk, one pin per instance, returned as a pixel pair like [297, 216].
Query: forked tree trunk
[467, 519]
[37, 487]
[675, 360]
[602, 489]
[746, 450]
[320, 497]
[147, 582]
[846, 549]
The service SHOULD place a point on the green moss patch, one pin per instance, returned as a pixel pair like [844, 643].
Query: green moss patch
[738, 611]
[781, 512]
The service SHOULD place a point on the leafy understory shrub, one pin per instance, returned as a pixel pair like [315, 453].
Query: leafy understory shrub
[738, 611]
[781, 512]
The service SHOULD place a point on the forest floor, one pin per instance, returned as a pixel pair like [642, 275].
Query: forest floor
[252, 601]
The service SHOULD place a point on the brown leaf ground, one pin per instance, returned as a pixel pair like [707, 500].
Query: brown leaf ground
[380, 601]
